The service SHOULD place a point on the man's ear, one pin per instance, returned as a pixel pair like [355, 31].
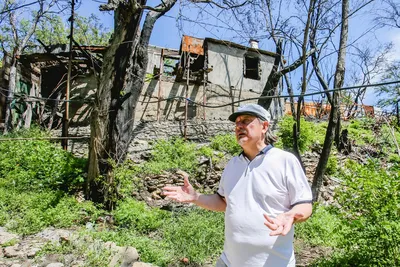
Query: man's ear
[265, 125]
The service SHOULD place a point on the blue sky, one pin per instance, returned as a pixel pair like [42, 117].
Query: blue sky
[168, 31]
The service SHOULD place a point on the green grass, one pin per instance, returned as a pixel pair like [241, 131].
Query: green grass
[324, 228]
[30, 212]
[192, 233]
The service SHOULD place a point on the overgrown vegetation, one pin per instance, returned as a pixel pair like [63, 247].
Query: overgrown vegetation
[363, 229]
[178, 154]
[38, 165]
[38, 181]
[311, 134]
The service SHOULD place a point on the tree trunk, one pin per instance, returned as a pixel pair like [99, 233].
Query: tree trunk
[123, 74]
[291, 99]
[273, 79]
[335, 109]
[12, 85]
[326, 151]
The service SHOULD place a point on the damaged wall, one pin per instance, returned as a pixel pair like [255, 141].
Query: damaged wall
[228, 67]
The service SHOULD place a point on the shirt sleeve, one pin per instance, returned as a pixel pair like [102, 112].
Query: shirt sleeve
[297, 184]
[220, 190]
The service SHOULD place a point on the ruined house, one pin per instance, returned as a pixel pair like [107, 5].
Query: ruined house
[41, 84]
[201, 82]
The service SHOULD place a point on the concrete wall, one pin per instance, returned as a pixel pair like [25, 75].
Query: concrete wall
[174, 109]
[83, 88]
[226, 84]
[154, 54]
[228, 63]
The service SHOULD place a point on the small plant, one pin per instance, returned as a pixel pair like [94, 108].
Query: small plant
[10, 243]
[310, 134]
[136, 215]
[226, 143]
[332, 166]
[172, 154]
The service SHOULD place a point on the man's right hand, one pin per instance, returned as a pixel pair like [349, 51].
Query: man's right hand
[184, 193]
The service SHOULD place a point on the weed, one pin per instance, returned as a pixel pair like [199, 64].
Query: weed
[310, 134]
[226, 143]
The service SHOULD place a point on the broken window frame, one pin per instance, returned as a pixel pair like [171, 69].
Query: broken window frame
[252, 66]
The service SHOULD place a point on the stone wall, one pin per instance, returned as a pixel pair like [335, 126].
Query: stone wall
[145, 132]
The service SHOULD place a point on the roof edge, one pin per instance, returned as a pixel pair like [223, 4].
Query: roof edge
[229, 43]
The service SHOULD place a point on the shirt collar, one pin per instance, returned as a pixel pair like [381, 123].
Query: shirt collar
[263, 151]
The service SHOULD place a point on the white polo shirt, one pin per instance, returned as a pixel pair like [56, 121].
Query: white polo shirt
[272, 183]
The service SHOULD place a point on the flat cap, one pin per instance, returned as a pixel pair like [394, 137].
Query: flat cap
[251, 109]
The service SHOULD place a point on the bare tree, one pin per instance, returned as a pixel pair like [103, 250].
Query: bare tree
[334, 100]
[369, 64]
[390, 94]
[389, 14]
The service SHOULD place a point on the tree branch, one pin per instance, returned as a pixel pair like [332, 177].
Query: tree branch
[228, 5]
[17, 7]
[297, 63]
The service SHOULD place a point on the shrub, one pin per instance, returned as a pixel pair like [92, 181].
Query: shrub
[310, 134]
[324, 228]
[164, 238]
[369, 203]
[136, 215]
[386, 141]
[195, 234]
[360, 131]
[208, 152]
[226, 143]
[34, 164]
[150, 249]
[125, 181]
[172, 154]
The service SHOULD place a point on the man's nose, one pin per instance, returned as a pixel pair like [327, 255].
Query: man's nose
[239, 125]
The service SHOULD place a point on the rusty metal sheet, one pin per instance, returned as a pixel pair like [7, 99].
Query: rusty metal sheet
[192, 44]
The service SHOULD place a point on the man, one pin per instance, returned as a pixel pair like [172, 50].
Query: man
[263, 192]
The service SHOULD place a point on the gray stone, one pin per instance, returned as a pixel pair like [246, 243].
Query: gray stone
[126, 255]
[130, 256]
[55, 264]
[54, 235]
[111, 246]
[89, 226]
[141, 264]
[12, 252]
[6, 237]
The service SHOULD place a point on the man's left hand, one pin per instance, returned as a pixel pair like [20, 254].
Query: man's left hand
[282, 224]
